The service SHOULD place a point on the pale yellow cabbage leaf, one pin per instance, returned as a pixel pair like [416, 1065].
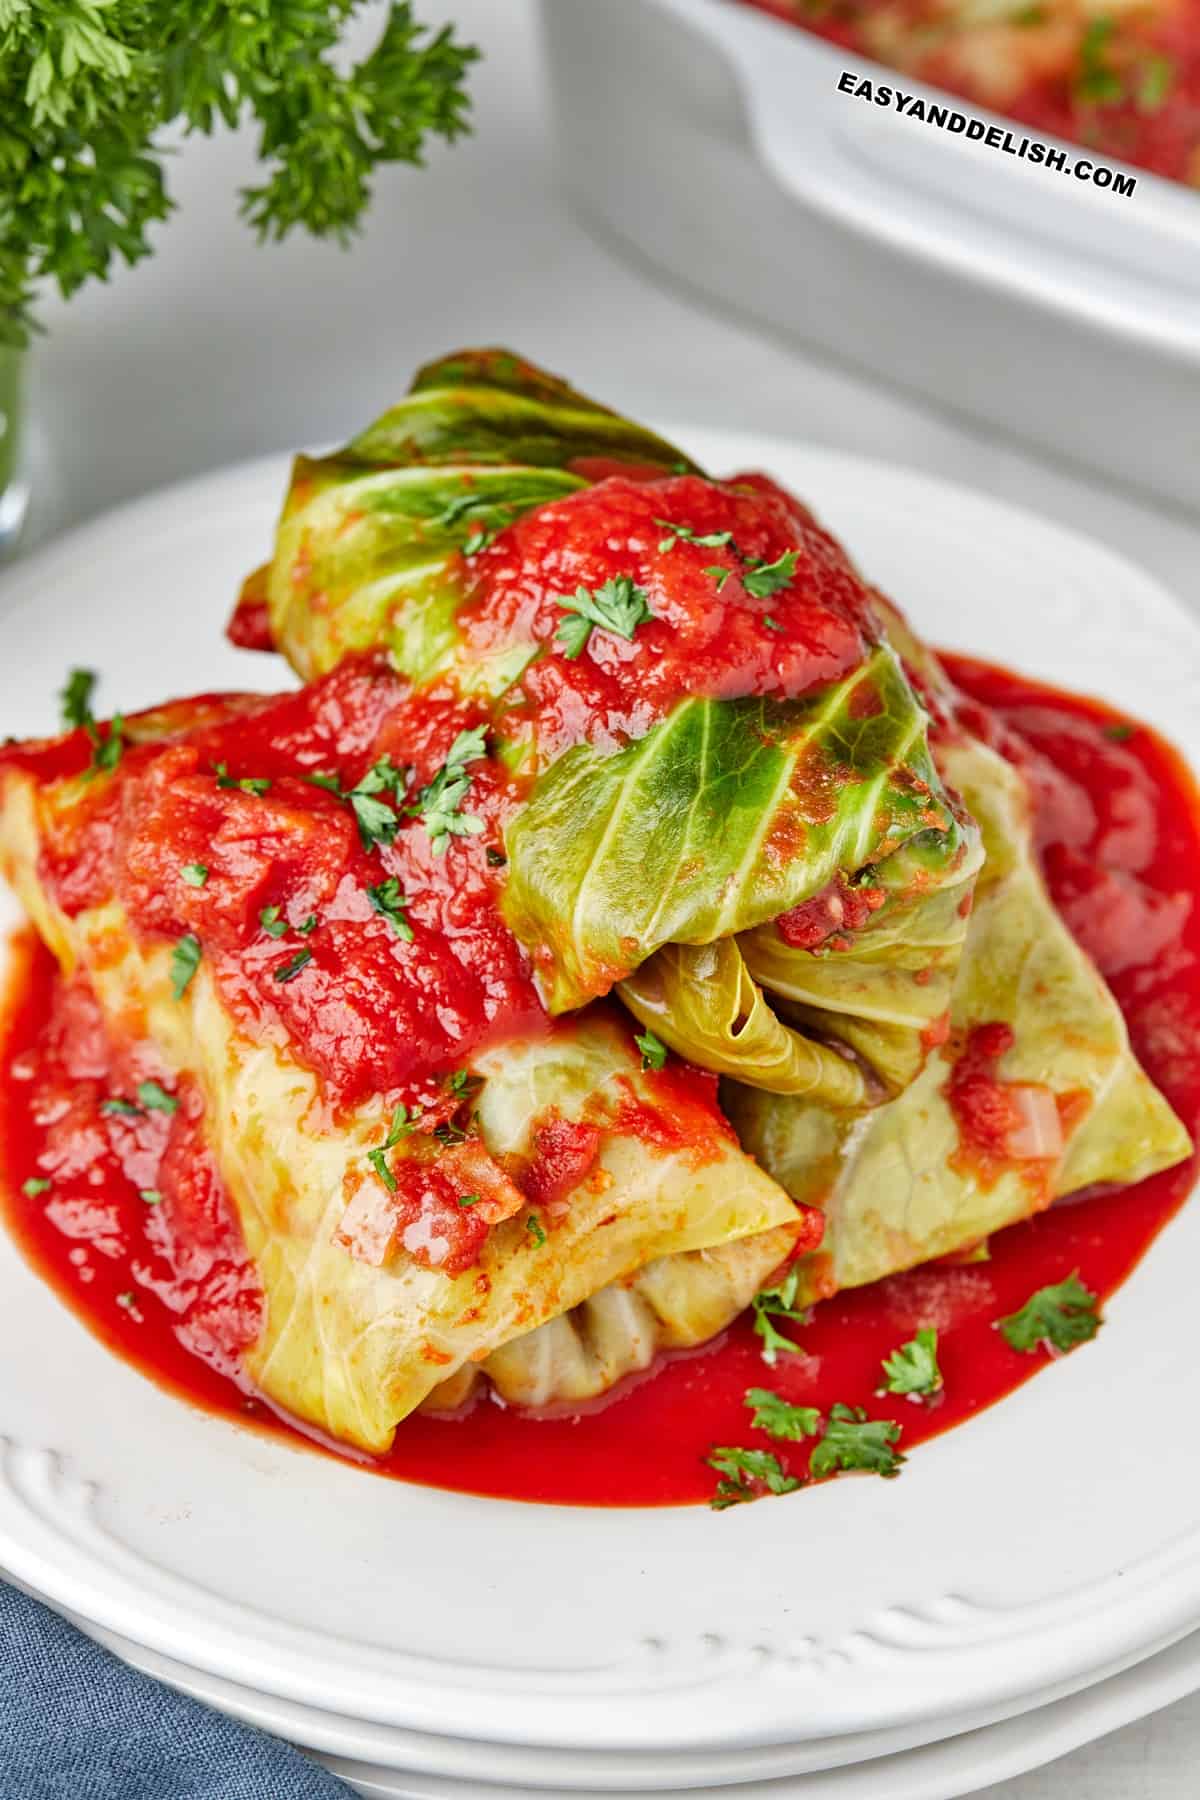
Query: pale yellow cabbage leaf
[348, 1346]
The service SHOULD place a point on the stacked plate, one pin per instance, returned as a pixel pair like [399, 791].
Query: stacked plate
[1020, 1585]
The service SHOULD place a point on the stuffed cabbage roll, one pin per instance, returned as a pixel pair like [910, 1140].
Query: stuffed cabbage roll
[1033, 1095]
[423, 1164]
[693, 690]
[731, 816]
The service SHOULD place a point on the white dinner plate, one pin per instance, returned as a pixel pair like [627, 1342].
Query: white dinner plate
[884, 1765]
[1040, 1544]
[936, 1771]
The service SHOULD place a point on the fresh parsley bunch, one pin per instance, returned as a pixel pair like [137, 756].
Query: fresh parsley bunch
[87, 87]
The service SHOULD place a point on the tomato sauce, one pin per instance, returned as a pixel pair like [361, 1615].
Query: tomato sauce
[215, 828]
[163, 1280]
[696, 551]
[1124, 84]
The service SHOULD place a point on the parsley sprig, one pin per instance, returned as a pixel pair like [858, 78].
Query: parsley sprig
[759, 578]
[76, 698]
[377, 822]
[108, 744]
[1098, 82]
[258, 785]
[779, 1418]
[88, 89]
[185, 960]
[1058, 1317]
[778, 1302]
[620, 606]
[853, 1441]
[155, 1098]
[762, 579]
[913, 1368]
[388, 900]
[710, 540]
[746, 1475]
[291, 968]
[439, 804]
[403, 1122]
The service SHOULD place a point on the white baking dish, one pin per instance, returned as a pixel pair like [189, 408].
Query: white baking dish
[714, 140]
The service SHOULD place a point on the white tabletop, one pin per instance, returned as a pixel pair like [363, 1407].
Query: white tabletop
[216, 350]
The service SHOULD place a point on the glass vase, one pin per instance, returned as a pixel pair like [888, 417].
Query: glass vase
[14, 492]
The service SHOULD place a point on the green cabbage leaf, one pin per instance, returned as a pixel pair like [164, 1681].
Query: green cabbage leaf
[894, 1187]
[369, 548]
[665, 865]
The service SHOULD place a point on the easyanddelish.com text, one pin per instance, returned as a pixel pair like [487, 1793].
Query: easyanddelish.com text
[996, 137]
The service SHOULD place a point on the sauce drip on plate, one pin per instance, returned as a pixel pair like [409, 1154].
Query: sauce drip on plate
[1118, 822]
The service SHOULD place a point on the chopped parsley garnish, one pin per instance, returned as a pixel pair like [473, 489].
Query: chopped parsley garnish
[740, 1470]
[309, 926]
[1060, 1317]
[273, 922]
[459, 1083]
[469, 1199]
[107, 751]
[379, 1163]
[913, 1368]
[377, 822]
[709, 540]
[76, 698]
[771, 624]
[1096, 80]
[388, 900]
[156, 1098]
[124, 1109]
[779, 1418]
[1119, 734]
[619, 606]
[151, 1196]
[762, 579]
[327, 779]
[248, 784]
[402, 1123]
[185, 960]
[289, 970]
[654, 1051]
[478, 540]
[76, 701]
[719, 573]
[852, 1441]
[1155, 82]
[533, 1226]
[446, 1133]
[438, 804]
[778, 1303]
[37, 1184]
[195, 874]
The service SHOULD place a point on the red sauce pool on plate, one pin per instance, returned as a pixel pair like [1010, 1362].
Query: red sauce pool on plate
[1119, 833]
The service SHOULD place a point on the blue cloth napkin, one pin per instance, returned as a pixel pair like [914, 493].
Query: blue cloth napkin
[77, 1724]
